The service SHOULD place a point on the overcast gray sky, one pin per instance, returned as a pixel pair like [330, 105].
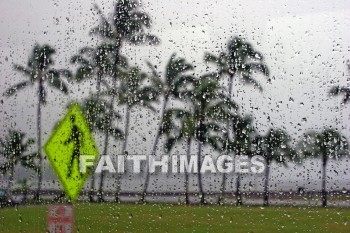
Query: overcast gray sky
[305, 43]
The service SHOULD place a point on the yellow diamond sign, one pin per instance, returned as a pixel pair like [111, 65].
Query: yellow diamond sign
[71, 139]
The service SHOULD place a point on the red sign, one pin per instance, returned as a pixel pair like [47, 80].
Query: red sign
[60, 219]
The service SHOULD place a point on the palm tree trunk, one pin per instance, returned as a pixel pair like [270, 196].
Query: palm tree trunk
[105, 152]
[126, 129]
[224, 176]
[118, 42]
[125, 143]
[115, 77]
[223, 188]
[154, 148]
[266, 186]
[324, 192]
[9, 184]
[98, 83]
[200, 184]
[40, 170]
[187, 199]
[230, 84]
[92, 183]
[238, 190]
[92, 187]
[25, 191]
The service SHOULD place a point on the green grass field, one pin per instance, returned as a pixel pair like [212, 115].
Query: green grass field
[174, 218]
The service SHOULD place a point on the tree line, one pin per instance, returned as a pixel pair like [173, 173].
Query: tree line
[205, 113]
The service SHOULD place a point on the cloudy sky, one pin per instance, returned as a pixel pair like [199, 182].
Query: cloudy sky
[305, 44]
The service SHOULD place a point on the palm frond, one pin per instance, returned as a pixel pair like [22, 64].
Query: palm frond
[5, 167]
[208, 57]
[56, 82]
[345, 91]
[258, 67]
[104, 29]
[23, 69]
[248, 79]
[12, 90]
[153, 69]
[170, 143]
[116, 133]
[75, 59]
[28, 162]
[143, 39]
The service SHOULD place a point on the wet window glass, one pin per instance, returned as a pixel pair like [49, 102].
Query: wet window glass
[174, 116]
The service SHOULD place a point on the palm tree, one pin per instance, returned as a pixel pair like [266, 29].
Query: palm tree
[14, 149]
[173, 86]
[209, 108]
[128, 24]
[39, 70]
[97, 63]
[344, 91]
[95, 111]
[243, 132]
[97, 115]
[174, 134]
[239, 61]
[133, 91]
[274, 146]
[327, 144]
